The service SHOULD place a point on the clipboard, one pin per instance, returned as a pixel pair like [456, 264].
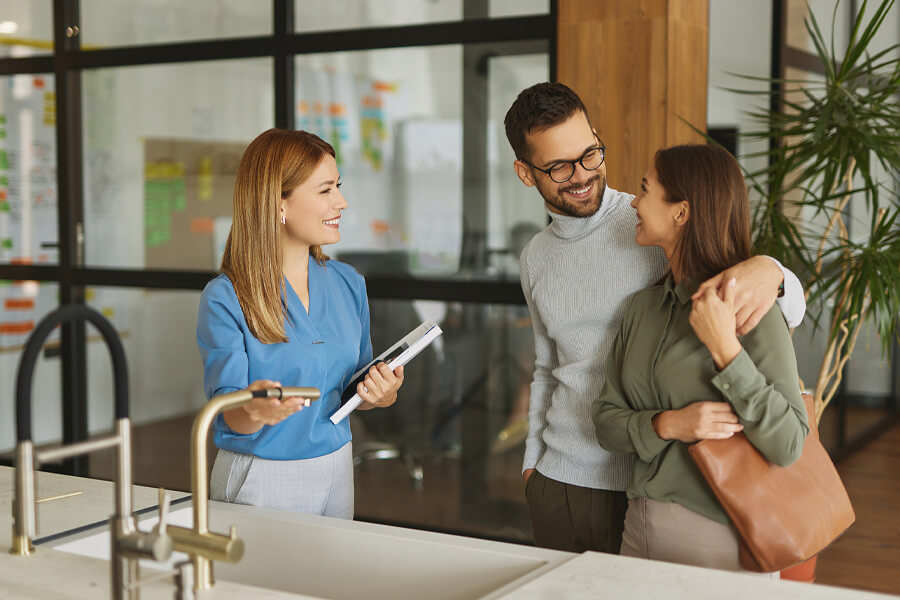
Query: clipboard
[397, 355]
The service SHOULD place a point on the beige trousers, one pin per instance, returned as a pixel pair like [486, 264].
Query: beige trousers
[669, 532]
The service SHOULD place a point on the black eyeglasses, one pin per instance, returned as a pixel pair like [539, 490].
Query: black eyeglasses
[562, 171]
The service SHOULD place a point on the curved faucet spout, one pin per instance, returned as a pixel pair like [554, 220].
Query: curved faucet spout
[25, 373]
[199, 542]
[200, 435]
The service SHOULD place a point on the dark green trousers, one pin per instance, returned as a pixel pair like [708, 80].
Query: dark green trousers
[575, 519]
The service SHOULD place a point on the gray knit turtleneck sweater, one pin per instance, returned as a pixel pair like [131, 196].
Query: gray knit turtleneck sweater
[576, 275]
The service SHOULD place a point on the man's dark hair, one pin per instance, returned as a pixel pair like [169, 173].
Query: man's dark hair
[537, 108]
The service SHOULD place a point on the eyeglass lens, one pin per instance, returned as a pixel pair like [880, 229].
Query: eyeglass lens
[561, 172]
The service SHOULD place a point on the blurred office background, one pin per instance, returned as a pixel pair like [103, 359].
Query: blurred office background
[121, 124]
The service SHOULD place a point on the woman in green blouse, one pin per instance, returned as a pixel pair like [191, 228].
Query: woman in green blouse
[679, 373]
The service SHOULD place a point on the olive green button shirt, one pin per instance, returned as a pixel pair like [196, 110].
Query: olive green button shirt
[657, 363]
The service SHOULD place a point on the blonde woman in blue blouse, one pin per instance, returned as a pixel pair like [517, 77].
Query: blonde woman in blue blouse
[282, 314]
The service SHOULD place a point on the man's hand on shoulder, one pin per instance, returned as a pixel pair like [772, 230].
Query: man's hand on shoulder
[758, 280]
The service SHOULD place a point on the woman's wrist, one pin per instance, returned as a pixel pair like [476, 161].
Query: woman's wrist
[241, 421]
[659, 423]
[725, 352]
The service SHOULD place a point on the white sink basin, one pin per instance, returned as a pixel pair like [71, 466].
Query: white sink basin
[333, 558]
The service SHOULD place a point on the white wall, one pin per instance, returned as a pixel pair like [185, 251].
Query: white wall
[117, 23]
[33, 23]
[740, 35]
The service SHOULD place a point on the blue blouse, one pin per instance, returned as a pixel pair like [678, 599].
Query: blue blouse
[324, 349]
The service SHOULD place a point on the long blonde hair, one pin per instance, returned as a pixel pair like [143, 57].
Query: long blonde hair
[274, 163]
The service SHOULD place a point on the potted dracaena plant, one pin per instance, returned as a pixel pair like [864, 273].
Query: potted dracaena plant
[837, 143]
[836, 147]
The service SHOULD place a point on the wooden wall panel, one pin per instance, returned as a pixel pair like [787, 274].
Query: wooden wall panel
[638, 65]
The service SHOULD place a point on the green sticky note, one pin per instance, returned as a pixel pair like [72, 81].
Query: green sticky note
[4, 180]
[2, 119]
[178, 194]
[6, 244]
[4, 207]
[156, 189]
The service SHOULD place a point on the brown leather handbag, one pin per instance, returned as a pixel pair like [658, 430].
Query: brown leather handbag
[784, 515]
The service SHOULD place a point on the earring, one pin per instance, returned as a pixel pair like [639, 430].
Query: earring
[282, 218]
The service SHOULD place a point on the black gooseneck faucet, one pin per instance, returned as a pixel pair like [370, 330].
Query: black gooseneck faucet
[128, 544]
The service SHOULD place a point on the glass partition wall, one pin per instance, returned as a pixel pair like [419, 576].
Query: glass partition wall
[121, 125]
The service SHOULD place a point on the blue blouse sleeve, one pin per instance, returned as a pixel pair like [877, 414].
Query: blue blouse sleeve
[221, 341]
[365, 342]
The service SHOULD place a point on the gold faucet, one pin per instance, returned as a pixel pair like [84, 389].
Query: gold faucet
[199, 542]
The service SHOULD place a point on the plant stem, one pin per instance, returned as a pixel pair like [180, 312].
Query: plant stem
[831, 373]
[826, 371]
[839, 368]
[836, 216]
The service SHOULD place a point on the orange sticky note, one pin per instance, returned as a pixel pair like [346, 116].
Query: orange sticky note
[202, 225]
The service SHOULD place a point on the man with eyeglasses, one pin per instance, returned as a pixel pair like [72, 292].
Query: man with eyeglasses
[576, 275]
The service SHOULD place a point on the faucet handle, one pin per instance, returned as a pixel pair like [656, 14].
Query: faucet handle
[165, 501]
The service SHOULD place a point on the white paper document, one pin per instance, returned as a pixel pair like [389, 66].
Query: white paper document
[397, 355]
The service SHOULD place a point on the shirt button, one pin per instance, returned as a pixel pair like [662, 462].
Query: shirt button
[725, 386]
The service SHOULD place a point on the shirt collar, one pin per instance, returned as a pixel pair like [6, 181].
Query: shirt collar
[681, 291]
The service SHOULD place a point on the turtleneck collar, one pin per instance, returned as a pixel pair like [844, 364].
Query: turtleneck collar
[569, 227]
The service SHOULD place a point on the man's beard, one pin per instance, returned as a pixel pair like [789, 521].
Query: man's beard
[580, 210]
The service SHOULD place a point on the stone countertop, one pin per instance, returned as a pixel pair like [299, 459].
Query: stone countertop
[53, 575]
[63, 576]
[59, 575]
[596, 575]
[94, 504]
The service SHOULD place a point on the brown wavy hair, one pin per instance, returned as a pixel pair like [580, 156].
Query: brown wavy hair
[717, 233]
[274, 163]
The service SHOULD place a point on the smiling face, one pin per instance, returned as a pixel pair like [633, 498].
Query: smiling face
[660, 222]
[581, 195]
[312, 211]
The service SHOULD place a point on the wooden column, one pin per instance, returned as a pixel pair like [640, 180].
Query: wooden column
[639, 65]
